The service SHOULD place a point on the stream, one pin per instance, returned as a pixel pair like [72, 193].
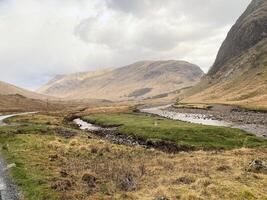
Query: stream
[198, 117]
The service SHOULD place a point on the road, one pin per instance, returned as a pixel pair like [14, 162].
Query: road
[8, 191]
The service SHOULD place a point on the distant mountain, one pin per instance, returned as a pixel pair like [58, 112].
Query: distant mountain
[239, 74]
[9, 89]
[15, 99]
[140, 80]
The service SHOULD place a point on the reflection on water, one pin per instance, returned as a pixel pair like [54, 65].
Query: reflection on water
[186, 117]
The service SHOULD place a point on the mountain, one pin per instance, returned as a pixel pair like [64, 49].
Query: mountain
[239, 73]
[9, 89]
[140, 80]
[15, 99]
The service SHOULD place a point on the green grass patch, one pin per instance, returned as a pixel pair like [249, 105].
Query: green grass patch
[181, 133]
[33, 172]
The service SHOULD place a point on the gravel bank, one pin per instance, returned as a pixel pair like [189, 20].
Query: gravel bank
[251, 121]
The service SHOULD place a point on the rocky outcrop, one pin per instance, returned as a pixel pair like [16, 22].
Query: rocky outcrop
[249, 29]
[239, 74]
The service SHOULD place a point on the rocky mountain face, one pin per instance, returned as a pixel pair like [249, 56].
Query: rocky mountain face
[250, 29]
[239, 74]
[136, 81]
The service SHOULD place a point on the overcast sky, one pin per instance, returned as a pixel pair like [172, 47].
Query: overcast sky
[42, 38]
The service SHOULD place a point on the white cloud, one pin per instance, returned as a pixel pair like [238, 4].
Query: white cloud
[39, 39]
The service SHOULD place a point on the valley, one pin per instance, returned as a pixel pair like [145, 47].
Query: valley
[156, 129]
[45, 147]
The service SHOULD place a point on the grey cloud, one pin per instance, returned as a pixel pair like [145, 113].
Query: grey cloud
[40, 39]
[136, 7]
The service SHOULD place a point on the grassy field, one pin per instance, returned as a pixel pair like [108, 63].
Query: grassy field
[52, 166]
[180, 133]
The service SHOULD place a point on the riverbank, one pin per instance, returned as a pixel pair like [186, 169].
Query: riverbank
[185, 136]
[55, 161]
[251, 121]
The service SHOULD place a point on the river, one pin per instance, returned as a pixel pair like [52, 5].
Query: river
[220, 115]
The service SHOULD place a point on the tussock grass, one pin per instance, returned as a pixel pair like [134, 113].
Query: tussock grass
[52, 167]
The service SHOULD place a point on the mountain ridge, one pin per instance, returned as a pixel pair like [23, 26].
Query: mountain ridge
[239, 78]
[249, 29]
[141, 79]
[10, 89]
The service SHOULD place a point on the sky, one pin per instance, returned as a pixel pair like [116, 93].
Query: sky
[40, 39]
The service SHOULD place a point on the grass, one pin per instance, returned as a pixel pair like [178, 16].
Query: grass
[180, 133]
[122, 172]
[255, 108]
[31, 173]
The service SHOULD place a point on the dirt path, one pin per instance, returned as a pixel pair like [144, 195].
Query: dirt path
[8, 191]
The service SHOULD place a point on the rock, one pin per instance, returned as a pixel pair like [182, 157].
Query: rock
[257, 166]
[61, 185]
[10, 166]
[89, 179]
[127, 182]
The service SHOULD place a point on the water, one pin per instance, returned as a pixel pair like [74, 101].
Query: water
[186, 117]
[86, 126]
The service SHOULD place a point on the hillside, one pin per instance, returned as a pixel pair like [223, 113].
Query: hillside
[239, 73]
[9, 89]
[19, 103]
[136, 81]
[16, 99]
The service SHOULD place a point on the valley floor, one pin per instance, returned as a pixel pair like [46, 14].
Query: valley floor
[251, 120]
[56, 160]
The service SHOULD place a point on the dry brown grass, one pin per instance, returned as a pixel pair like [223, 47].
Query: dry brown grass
[242, 81]
[134, 173]
[37, 118]
[80, 168]
[108, 109]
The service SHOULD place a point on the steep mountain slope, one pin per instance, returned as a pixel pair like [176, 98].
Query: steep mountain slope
[239, 74]
[136, 81]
